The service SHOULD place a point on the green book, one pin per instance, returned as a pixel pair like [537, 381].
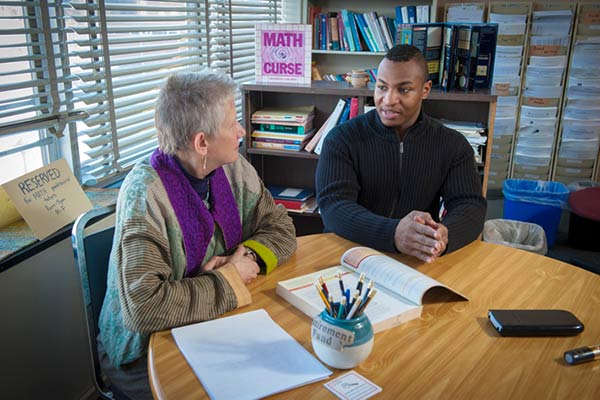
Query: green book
[299, 129]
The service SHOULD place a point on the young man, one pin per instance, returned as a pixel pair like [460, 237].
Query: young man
[382, 176]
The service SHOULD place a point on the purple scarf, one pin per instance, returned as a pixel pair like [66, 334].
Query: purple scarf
[196, 221]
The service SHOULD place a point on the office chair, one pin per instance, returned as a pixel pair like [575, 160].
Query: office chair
[92, 252]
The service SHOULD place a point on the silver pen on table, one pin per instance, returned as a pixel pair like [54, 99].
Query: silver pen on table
[582, 354]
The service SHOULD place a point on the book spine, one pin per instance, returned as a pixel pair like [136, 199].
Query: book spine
[386, 32]
[334, 43]
[371, 18]
[291, 204]
[412, 14]
[282, 128]
[323, 33]
[348, 30]
[276, 146]
[485, 58]
[462, 58]
[474, 48]
[447, 72]
[342, 31]
[354, 29]
[399, 19]
[332, 122]
[274, 140]
[353, 107]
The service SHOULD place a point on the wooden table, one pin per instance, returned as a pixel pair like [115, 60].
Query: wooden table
[450, 352]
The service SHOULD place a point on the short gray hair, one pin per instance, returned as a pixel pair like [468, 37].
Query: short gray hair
[191, 102]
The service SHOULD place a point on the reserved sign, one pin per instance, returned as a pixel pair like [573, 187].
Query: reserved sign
[48, 198]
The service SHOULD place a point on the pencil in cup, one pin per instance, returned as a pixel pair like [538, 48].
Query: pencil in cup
[322, 296]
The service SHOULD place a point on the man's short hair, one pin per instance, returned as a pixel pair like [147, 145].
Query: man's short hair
[407, 52]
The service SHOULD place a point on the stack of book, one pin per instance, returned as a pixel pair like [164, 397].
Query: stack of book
[283, 128]
[474, 132]
[300, 200]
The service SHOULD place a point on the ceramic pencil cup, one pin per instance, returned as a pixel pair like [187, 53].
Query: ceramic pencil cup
[342, 343]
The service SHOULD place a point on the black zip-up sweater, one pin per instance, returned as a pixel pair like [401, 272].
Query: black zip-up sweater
[368, 179]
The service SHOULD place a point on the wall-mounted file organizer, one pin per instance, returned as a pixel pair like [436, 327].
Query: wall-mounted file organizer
[513, 30]
[576, 157]
[541, 98]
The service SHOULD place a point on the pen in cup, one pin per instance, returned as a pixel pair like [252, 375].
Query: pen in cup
[355, 306]
[366, 301]
[369, 287]
[339, 275]
[359, 285]
[342, 309]
[332, 303]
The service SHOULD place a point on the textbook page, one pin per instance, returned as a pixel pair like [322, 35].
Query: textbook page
[250, 348]
[394, 275]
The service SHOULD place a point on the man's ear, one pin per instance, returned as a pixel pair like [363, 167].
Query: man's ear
[426, 89]
[199, 143]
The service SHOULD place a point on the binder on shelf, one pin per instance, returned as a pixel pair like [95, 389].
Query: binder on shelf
[447, 68]
[428, 39]
[463, 57]
[486, 52]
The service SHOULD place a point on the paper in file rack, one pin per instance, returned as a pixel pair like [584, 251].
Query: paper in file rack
[246, 356]
[508, 18]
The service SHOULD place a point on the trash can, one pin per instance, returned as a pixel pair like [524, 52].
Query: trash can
[521, 235]
[538, 202]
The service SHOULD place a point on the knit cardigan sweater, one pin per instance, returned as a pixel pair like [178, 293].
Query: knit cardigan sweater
[149, 287]
[367, 179]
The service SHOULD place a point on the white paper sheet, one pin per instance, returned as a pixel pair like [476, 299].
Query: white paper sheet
[246, 356]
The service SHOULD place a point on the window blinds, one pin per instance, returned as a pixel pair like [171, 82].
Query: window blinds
[95, 66]
[32, 85]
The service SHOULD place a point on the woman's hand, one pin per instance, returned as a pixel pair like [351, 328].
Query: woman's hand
[246, 266]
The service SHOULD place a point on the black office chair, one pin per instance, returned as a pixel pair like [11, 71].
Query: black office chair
[92, 252]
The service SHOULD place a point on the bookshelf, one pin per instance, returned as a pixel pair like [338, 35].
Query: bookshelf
[297, 169]
[338, 62]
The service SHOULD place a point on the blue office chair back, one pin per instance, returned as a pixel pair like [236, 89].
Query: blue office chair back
[92, 253]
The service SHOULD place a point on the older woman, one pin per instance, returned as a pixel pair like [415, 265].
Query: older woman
[194, 225]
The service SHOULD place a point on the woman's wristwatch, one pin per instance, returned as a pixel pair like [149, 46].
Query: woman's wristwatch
[251, 253]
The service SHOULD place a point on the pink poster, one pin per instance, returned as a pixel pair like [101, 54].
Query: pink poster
[283, 53]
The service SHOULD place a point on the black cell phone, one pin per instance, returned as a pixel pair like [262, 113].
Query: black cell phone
[535, 322]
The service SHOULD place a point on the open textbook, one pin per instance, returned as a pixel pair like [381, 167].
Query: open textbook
[400, 288]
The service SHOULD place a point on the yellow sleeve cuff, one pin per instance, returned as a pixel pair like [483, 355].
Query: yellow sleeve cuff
[269, 260]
